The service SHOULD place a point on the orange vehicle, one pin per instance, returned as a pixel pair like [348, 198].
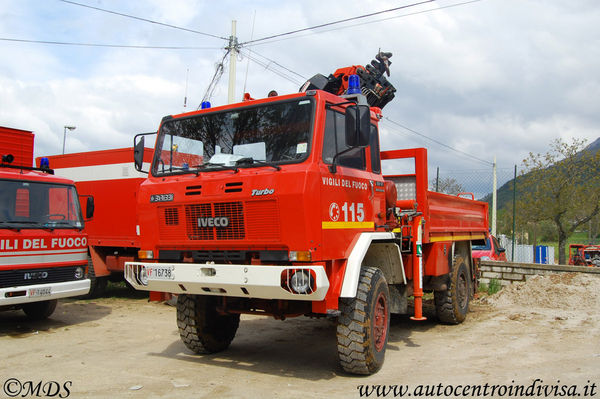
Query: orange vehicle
[284, 211]
[43, 249]
[584, 255]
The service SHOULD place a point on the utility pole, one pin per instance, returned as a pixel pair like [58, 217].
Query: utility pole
[494, 198]
[233, 52]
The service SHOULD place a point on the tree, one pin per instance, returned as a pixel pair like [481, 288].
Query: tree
[447, 185]
[561, 186]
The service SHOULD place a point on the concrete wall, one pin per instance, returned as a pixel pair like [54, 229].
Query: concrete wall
[507, 273]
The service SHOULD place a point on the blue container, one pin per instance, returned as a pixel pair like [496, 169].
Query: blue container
[541, 254]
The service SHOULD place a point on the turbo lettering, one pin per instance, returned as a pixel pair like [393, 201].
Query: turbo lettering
[266, 191]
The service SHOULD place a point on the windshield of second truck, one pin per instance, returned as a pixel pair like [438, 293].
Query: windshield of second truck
[34, 205]
[272, 133]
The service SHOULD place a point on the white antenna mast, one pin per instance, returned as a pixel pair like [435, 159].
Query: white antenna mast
[250, 51]
[187, 75]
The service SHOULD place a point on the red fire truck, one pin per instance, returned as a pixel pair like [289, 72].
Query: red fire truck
[43, 249]
[110, 177]
[584, 255]
[278, 206]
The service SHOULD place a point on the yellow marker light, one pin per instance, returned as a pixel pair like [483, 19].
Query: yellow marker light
[300, 256]
[145, 254]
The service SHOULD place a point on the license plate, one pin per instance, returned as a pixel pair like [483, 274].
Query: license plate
[160, 273]
[36, 292]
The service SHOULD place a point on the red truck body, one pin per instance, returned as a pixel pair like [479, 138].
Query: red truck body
[108, 176]
[584, 255]
[43, 250]
[277, 218]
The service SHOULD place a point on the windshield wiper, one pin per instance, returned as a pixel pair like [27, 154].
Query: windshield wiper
[206, 166]
[250, 161]
[14, 224]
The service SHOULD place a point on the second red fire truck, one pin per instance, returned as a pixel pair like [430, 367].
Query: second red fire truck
[43, 248]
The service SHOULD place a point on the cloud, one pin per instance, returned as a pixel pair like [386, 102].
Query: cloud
[487, 78]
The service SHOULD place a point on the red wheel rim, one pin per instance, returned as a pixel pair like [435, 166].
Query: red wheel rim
[381, 322]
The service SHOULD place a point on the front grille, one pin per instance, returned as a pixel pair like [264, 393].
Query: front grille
[171, 217]
[192, 214]
[16, 278]
[256, 220]
[233, 211]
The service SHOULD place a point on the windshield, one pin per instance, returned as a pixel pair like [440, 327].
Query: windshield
[273, 133]
[34, 205]
[485, 247]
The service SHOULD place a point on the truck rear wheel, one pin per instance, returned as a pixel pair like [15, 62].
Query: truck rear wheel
[97, 284]
[40, 310]
[364, 323]
[452, 304]
[201, 328]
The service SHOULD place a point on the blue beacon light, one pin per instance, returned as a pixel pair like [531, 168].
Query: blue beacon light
[45, 163]
[353, 84]
[205, 104]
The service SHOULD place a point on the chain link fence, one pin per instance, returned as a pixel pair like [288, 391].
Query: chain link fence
[480, 182]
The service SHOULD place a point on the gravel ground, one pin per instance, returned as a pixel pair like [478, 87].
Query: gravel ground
[124, 346]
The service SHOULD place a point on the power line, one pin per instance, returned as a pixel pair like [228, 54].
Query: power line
[279, 65]
[439, 142]
[269, 67]
[335, 22]
[219, 68]
[106, 45]
[367, 23]
[143, 19]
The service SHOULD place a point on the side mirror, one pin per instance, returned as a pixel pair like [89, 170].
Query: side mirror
[358, 125]
[138, 153]
[500, 250]
[89, 207]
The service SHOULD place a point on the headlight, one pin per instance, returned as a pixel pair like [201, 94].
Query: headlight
[79, 273]
[143, 276]
[300, 282]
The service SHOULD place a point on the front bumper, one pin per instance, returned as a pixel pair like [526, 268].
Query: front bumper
[43, 292]
[250, 281]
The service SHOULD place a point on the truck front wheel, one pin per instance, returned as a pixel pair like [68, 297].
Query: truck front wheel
[202, 329]
[40, 310]
[452, 304]
[364, 323]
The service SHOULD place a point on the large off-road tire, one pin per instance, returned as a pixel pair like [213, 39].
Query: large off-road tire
[201, 327]
[452, 304]
[364, 324]
[40, 310]
[97, 284]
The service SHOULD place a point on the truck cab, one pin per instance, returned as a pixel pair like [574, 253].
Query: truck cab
[43, 249]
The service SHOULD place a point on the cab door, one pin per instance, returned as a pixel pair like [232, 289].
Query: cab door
[352, 198]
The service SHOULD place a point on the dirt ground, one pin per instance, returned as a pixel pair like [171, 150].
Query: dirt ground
[547, 329]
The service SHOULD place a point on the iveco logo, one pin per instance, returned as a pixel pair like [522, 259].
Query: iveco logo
[213, 222]
[266, 191]
[35, 276]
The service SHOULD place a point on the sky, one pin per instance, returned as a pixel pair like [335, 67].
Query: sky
[475, 80]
